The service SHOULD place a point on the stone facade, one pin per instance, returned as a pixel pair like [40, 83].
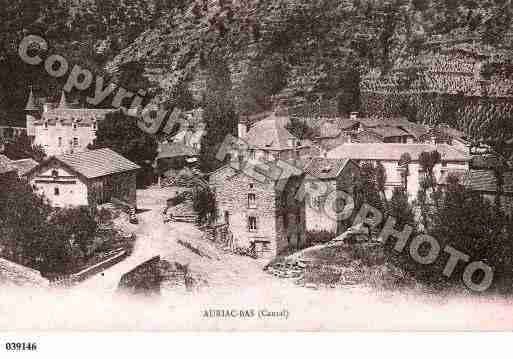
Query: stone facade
[259, 212]
[319, 207]
[121, 186]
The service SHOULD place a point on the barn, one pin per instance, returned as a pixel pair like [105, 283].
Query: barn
[86, 178]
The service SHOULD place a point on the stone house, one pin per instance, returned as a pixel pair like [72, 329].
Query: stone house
[269, 140]
[333, 132]
[173, 157]
[335, 175]
[86, 178]
[260, 212]
[483, 182]
[8, 174]
[62, 129]
[389, 154]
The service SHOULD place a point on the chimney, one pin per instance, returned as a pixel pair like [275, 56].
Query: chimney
[242, 130]
[353, 115]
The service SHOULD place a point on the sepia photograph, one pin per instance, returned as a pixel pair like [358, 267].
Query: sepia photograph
[255, 166]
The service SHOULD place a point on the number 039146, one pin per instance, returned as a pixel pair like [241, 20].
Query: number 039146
[20, 346]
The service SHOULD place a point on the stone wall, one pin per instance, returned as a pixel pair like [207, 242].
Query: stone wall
[143, 279]
[13, 273]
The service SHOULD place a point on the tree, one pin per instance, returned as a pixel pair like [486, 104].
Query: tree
[399, 208]
[264, 80]
[427, 162]
[404, 164]
[300, 129]
[367, 191]
[23, 224]
[381, 180]
[427, 193]
[219, 114]
[122, 134]
[22, 148]
[204, 202]
[77, 224]
[469, 223]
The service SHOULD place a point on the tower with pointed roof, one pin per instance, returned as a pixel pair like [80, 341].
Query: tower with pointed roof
[32, 113]
[63, 103]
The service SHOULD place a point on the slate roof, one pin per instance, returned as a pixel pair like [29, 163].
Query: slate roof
[484, 181]
[386, 131]
[326, 168]
[270, 134]
[170, 150]
[94, 163]
[31, 103]
[393, 151]
[81, 115]
[24, 165]
[415, 129]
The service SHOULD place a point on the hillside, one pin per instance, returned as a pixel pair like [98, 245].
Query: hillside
[298, 49]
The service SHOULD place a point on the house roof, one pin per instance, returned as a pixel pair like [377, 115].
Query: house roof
[393, 151]
[270, 134]
[326, 168]
[484, 181]
[81, 115]
[63, 103]
[170, 150]
[31, 103]
[387, 131]
[94, 163]
[415, 129]
[24, 165]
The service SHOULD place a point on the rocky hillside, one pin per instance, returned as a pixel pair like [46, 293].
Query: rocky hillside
[298, 49]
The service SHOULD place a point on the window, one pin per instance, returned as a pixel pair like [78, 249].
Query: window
[56, 191]
[252, 154]
[55, 173]
[95, 127]
[251, 200]
[75, 141]
[46, 125]
[252, 224]
[60, 141]
[317, 202]
[74, 125]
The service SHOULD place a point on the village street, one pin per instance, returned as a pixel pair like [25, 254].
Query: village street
[233, 284]
[154, 237]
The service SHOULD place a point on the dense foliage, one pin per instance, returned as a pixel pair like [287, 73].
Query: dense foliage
[122, 134]
[35, 235]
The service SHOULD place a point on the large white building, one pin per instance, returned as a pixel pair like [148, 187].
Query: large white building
[62, 129]
[388, 154]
